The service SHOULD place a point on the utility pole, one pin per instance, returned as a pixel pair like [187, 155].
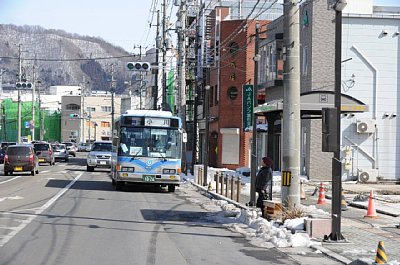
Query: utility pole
[83, 89]
[40, 113]
[254, 160]
[3, 116]
[19, 95]
[195, 146]
[155, 88]
[90, 123]
[291, 105]
[1, 80]
[164, 57]
[32, 123]
[182, 71]
[182, 62]
[112, 100]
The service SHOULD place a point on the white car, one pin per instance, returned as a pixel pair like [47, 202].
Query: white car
[71, 147]
[99, 156]
[83, 147]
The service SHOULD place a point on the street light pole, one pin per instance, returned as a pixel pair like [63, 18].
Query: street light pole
[206, 136]
[19, 95]
[336, 234]
[112, 101]
[254, 161]
[32, 123]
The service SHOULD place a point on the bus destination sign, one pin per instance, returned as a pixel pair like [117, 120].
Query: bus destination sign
[157, 122]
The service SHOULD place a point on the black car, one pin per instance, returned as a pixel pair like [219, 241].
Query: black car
[2, 154]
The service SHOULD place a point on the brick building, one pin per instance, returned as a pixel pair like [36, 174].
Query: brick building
[232, 67]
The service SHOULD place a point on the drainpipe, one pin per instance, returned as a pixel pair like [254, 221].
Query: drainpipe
[375, 97]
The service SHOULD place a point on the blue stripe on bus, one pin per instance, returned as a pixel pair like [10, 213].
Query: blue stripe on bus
[145, 165]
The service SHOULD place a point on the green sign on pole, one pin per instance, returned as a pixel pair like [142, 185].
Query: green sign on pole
[248, 107]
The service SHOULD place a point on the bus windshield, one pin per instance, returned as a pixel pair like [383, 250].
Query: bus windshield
[149, 142]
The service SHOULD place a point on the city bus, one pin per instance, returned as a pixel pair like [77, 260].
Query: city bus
[147, 149]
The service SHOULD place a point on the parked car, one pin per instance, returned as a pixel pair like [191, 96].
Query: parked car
[71, 147]
[100, 155]
[45, 153]
[60, 152]
[21, 158]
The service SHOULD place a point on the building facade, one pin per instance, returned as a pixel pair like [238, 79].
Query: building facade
[88, 117]
[370, 72]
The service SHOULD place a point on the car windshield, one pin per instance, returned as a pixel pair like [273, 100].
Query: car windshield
[58, 147]
[41, 147]
[105, 147]
[20, 150]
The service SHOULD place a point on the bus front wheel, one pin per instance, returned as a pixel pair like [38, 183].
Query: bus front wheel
[171, 188]
[119, 185]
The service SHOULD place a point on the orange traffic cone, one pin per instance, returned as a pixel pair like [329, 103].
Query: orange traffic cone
[371, 212]
[321, 197]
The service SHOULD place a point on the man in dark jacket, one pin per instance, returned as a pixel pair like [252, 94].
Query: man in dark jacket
[264, 182]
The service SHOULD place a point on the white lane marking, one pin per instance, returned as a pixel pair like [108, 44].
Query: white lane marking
[59, 194]
[11, 198]
[14, 178]
[38, 211]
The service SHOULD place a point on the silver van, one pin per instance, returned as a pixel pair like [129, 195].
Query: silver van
[99, 155]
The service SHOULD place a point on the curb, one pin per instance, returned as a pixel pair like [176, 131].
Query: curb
[332, 254]
[323, 250]
[219, 196]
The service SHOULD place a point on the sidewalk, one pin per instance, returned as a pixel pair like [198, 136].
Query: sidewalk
[362, 234]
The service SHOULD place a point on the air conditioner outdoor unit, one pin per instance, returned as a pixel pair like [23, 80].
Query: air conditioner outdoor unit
[366, 176]
[366, 126]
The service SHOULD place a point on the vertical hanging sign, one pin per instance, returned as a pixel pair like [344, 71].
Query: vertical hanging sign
[248, 107]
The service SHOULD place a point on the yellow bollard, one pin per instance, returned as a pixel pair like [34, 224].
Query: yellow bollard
[381, 254]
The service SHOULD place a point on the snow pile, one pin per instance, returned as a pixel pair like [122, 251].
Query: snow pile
[259, 231]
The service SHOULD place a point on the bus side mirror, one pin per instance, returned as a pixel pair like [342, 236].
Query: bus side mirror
[184, 137]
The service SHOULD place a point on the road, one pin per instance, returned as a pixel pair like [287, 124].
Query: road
[65, 215]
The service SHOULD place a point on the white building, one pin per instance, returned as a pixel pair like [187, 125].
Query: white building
[371, 44]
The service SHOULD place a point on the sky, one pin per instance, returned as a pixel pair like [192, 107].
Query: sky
[124, 23]
[120, 22]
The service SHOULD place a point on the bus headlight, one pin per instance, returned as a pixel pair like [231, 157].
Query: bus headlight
[169, 171]
[128, 169]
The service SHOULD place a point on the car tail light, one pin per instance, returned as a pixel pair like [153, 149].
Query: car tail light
[6, 159]
[118, 167]
[31, 159]
[50, 152]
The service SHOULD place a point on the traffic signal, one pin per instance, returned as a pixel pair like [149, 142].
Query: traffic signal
[138, 66]
[23, 85]
[74, 115]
